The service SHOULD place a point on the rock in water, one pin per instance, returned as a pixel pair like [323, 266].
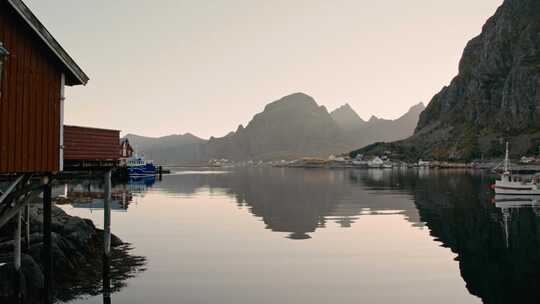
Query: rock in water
[77, 251]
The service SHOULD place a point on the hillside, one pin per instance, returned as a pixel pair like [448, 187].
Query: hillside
[291, 127]
[494, 98]
[168, 149]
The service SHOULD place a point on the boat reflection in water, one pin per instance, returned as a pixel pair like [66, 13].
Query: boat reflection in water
[517, 201]
[88, 194]
[508, 203]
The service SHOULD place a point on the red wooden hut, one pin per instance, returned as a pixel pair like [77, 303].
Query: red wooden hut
[34, 69]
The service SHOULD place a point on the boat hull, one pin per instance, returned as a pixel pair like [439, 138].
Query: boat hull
[146, 170]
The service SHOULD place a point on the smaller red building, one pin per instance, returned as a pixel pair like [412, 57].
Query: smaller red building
[90, 147]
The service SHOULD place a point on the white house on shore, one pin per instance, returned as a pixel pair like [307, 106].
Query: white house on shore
[375, 162]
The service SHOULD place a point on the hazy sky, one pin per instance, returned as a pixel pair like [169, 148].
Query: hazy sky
[159, 67]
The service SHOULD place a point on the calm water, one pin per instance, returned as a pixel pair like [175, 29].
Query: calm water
[322, 236]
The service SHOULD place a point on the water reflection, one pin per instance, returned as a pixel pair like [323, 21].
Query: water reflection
[297, 202]
[496, 241]
[89, 194]
[102, 274]
[497, 244]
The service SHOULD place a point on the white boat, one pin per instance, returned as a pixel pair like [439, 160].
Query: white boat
[510, 184]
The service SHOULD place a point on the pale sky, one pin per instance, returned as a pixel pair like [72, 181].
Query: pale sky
[160, 67]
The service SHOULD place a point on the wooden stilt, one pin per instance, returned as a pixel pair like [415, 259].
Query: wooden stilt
[27, 228]
[107, 214]
[47, 242]
[107, 238]
[106, 279]
[17, 257]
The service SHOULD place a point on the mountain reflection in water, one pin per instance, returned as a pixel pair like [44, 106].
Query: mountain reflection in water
[497, 249]
[296, 201]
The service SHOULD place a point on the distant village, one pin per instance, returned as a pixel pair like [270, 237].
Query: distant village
[373, 162]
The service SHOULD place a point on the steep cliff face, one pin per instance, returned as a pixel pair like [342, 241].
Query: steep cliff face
[495, 96]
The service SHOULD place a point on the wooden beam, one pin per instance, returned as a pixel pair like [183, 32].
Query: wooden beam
[11, 212]
[10, 189]
[47, 241]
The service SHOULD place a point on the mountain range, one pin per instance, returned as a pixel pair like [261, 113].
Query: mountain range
[291, 127]
[362, 133]
[494, 98]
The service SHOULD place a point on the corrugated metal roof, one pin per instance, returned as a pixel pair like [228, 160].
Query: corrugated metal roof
[76, 75]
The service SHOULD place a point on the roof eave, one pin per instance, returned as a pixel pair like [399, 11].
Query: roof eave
[76, 75]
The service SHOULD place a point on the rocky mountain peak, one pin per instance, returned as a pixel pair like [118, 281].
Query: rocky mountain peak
[373, 118]
[293, 101]
[346, 117]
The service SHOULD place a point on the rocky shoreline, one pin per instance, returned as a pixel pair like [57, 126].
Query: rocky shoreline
[77, 251]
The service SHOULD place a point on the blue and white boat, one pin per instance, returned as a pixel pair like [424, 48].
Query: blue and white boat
[138, 166]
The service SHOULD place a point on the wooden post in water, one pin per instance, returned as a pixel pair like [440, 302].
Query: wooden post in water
[106, 279]
[47, 242]
[17, 257]
[107, 237]
[107, 214]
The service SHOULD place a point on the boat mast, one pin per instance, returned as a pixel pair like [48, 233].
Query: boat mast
[506, 166]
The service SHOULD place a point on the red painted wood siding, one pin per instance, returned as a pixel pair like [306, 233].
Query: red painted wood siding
[30, 102]
[91, 144]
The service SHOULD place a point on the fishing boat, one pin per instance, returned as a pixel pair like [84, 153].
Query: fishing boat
[138, 166]
[511, 184]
